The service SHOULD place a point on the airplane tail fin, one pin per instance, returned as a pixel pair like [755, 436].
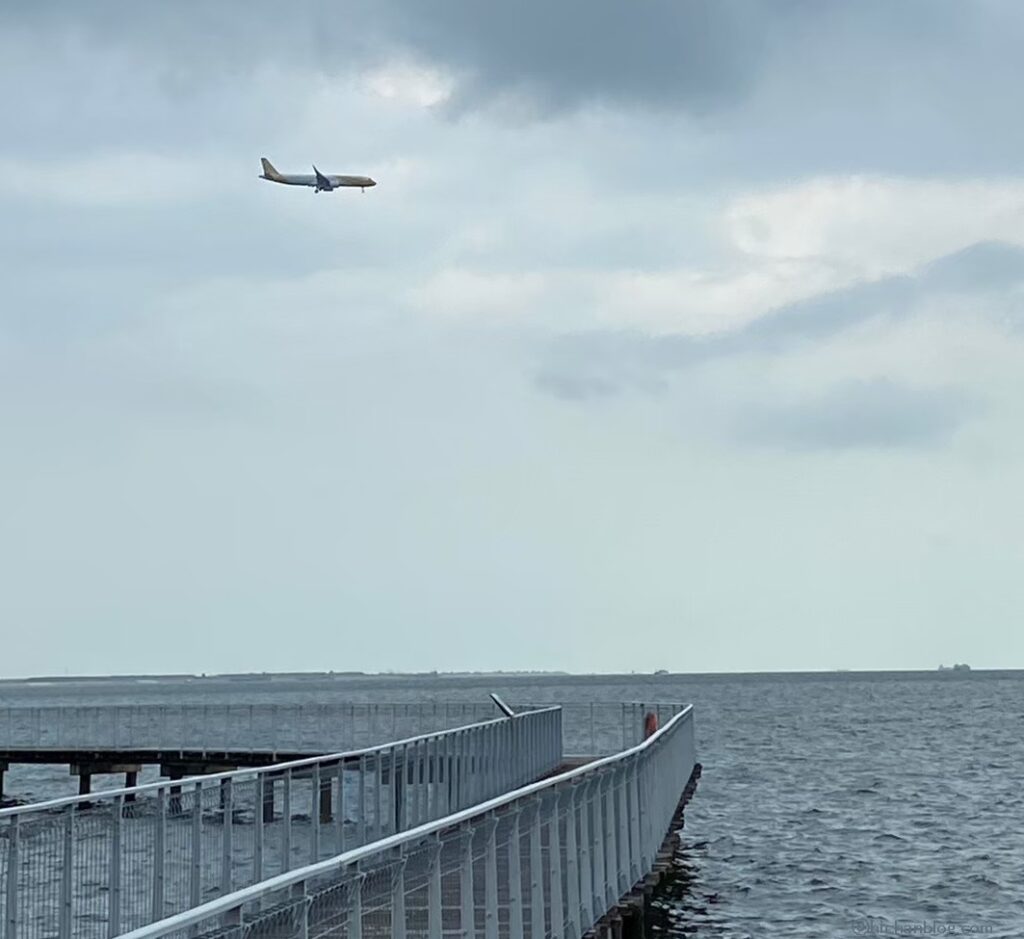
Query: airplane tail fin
[268, 169]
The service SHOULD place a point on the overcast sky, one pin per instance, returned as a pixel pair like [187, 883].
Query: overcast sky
[674, 335]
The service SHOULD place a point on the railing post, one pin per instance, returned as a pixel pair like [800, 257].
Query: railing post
[491, 878]
[458, 772]
[195, 882]
[423, 812]
[298, 891]
[361, 830]
[586, 856]
[493, 753]
[398, 788]
[259, 820]
[114, 883]
[598, 835]
[536, 873]
[506, 755]
[448, 768]
[434, 899]
[611, 840]
[480, 739]
[286, 821]
[398, 899]
[572, 863]
[555, 870]
[433, 777]
[515, 878]
[531, 746]
[316, 800]
[467, 924]
[411, 773]
[623, 882]
[12, 872]
[379, 787]
[522, 748]
[636, 847]
[339, 810]
[228, 813]
[67, 873]
[355, 913]
[469, 769]
[643, 809]
[159, 840]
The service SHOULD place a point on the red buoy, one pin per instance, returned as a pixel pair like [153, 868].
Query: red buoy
[650, 724]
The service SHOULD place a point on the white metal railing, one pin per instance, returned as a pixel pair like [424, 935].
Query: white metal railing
[545, 861]
[274, 728]
[93, 866]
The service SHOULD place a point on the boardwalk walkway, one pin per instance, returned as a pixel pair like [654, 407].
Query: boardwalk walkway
[424, 810]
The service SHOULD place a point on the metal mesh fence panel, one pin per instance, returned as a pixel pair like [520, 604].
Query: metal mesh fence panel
[547, 861]
[79, 867]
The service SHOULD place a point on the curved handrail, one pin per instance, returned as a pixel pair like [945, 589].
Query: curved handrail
[239, 898]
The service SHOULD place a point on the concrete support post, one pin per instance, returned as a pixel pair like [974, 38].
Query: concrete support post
[174, 805]
[326, 812]
[268, 799]
[633, 921]
[131, 780]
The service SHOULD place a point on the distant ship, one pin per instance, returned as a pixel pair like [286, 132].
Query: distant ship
[958, 667]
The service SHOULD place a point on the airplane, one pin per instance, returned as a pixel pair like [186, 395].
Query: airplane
[319, 182]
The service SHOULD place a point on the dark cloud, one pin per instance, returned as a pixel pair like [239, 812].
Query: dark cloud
[619, 360]
[917, 86]
[859, 414]
[664, 53]
[698, 54]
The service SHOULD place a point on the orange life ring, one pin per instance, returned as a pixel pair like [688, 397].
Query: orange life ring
[650, 724]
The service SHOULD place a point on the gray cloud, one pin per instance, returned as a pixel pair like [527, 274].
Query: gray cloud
[878, 413]
[776, 88]
[695, 55]
[604, 362]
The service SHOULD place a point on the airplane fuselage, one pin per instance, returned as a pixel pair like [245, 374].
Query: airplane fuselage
[336, 182]
[321, 182]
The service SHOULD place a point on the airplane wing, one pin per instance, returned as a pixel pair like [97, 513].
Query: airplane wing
[322, 182]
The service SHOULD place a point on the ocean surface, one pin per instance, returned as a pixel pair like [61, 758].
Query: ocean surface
[830, 805]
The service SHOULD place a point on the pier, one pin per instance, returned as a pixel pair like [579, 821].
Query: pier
[492, 828]
[189, 740]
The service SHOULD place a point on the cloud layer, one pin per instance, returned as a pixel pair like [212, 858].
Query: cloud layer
[702, 319]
